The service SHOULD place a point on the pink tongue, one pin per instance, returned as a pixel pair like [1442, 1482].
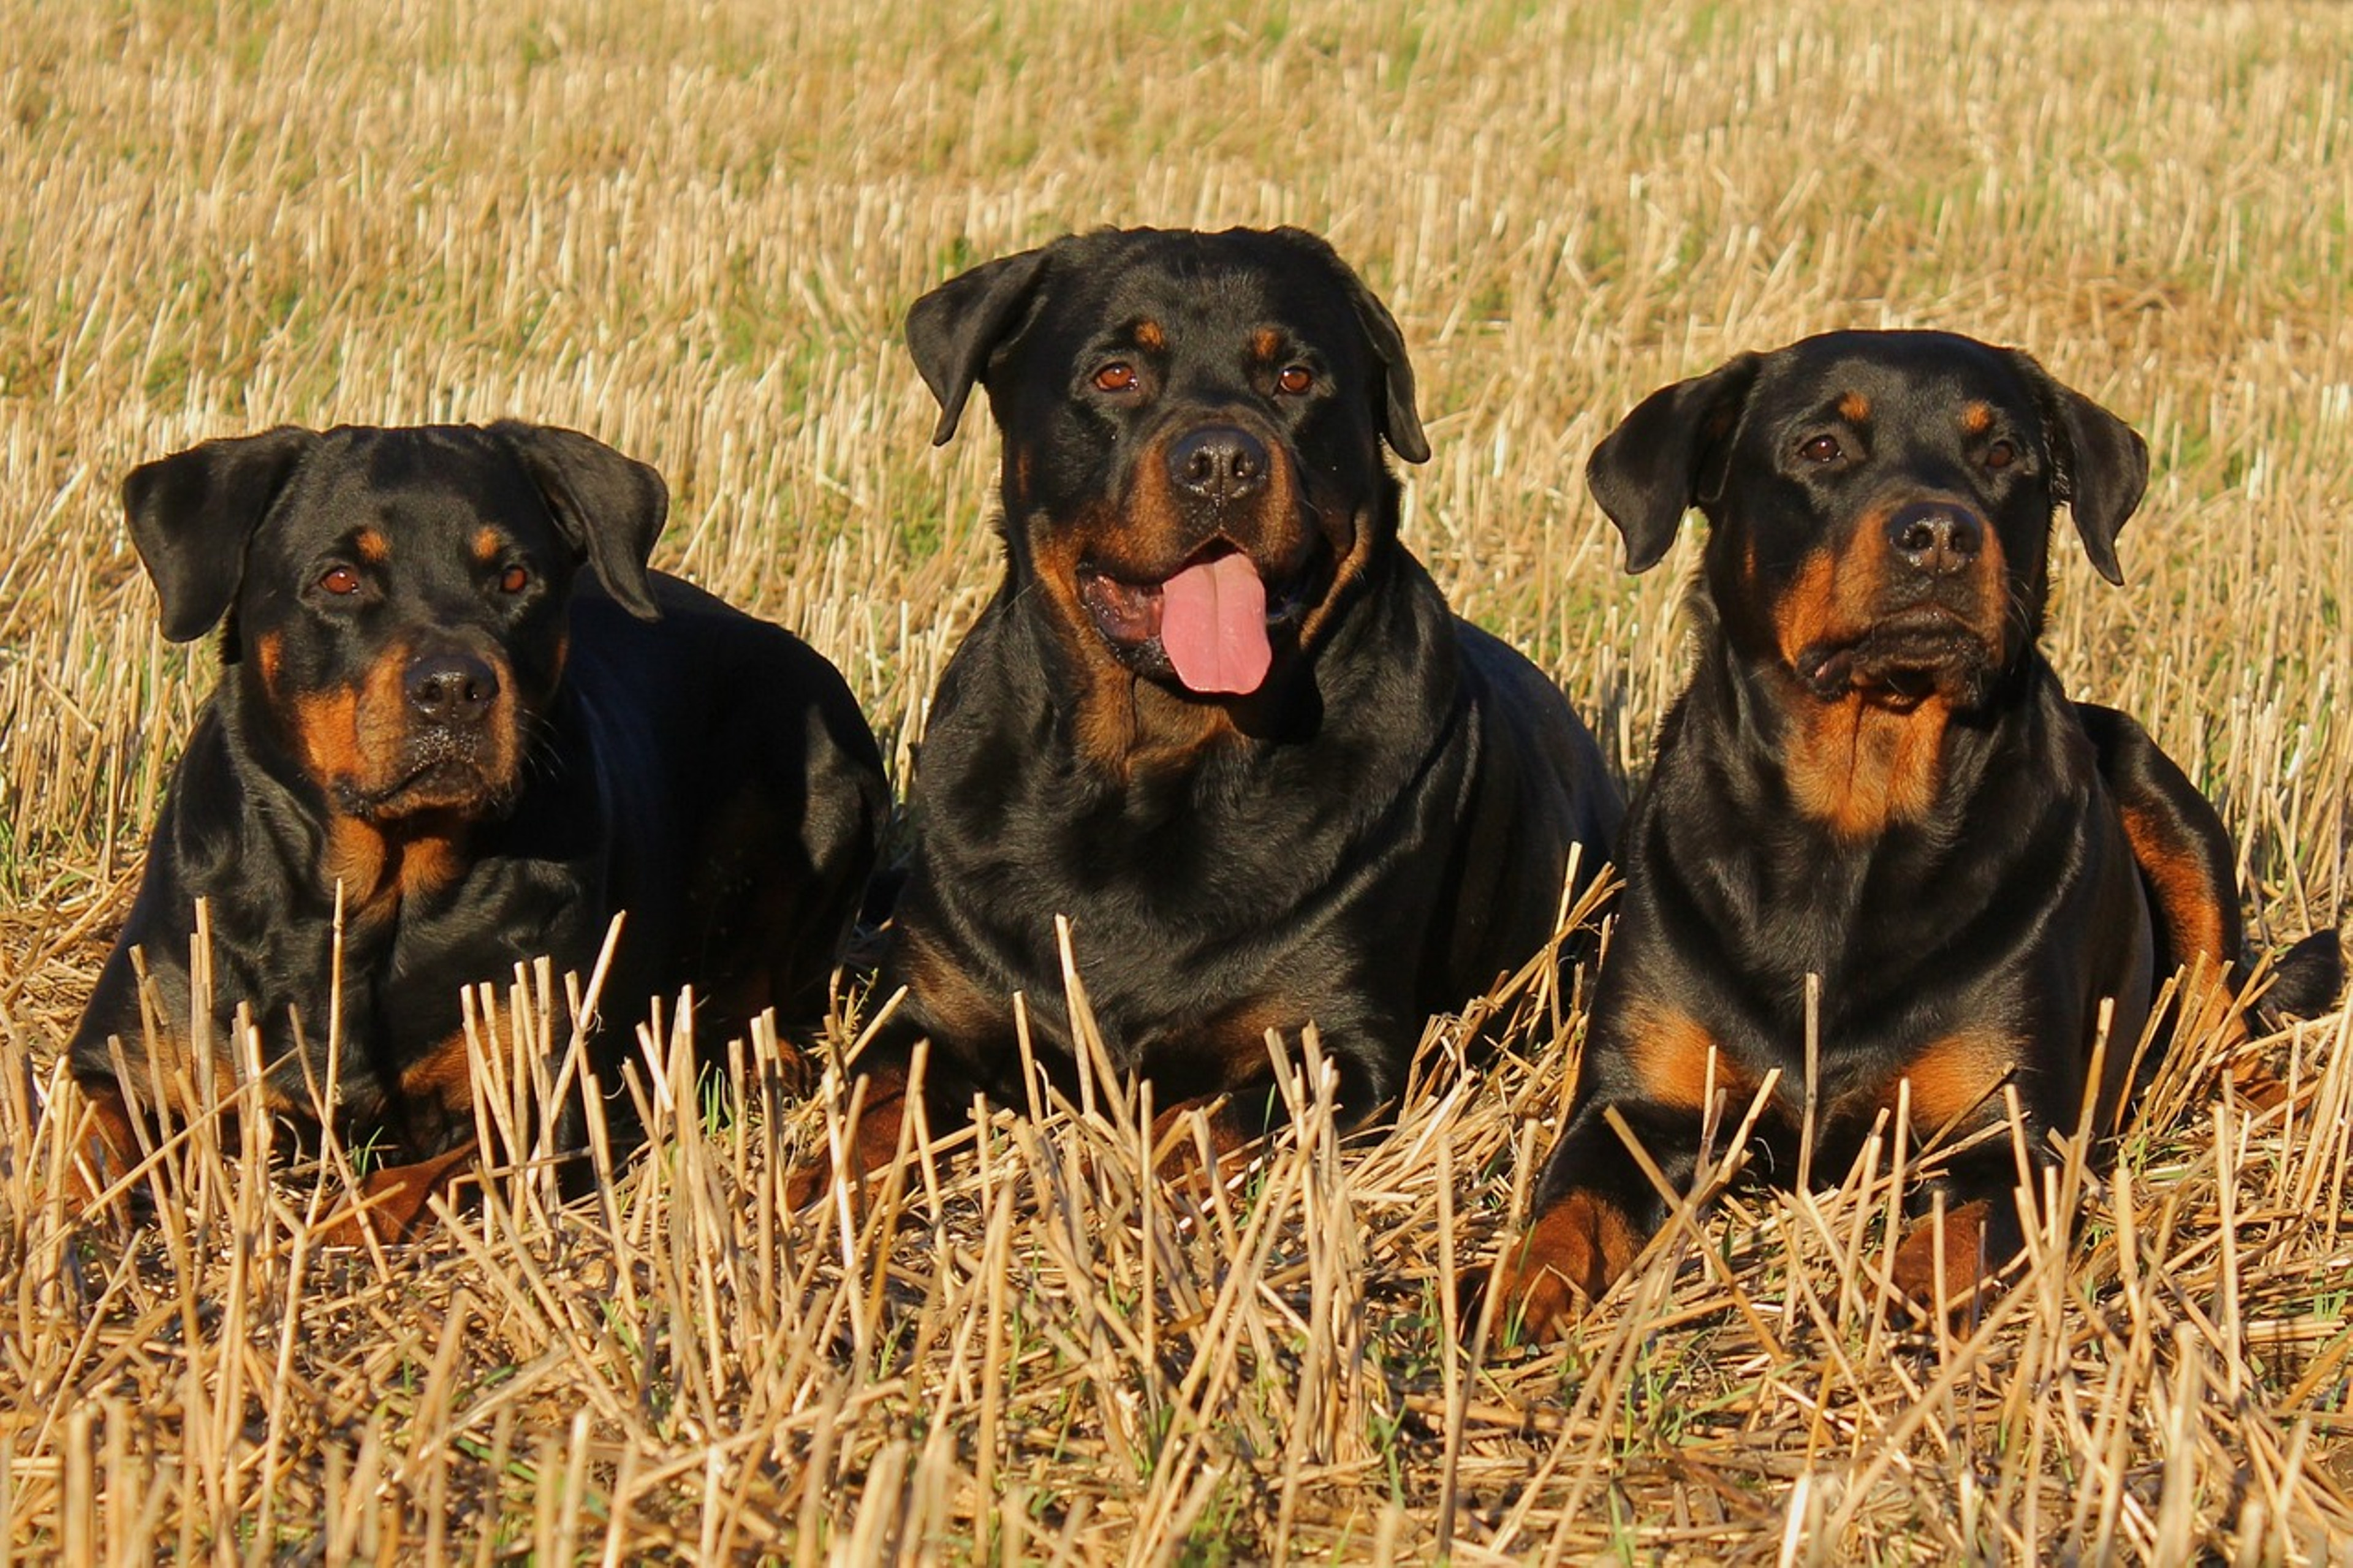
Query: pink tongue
[1213, 625]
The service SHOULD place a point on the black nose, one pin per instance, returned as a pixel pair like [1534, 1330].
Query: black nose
[450, 688]
[1218, 463]
[1937, 537]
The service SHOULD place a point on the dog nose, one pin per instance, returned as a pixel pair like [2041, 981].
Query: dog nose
[451, 687]
[1937, 537]
[1218, 463]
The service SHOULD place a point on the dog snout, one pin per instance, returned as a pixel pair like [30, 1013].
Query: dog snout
[450, 688]
[1218, 463]
[1936, 538]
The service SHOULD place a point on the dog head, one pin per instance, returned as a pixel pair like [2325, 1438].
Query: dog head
[1192, 474]
[396, 600]
[1879, 504]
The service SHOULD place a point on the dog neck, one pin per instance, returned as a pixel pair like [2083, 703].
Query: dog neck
[381, 866]
[1856, 765]
[1859, 766]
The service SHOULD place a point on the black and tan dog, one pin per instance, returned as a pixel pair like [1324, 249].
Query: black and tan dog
[1217, 714]
[420, 706]
[1874, 777]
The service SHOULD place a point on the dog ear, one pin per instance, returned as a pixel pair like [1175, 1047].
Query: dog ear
[2101, 464]
[1668, 455]
[191, 514]
[953, 329]
[1402, 422]
[1400, 419]
[611, 507]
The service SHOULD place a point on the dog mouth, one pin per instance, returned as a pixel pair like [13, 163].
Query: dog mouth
[445, 773]
[1901, 661]
[1213, 624]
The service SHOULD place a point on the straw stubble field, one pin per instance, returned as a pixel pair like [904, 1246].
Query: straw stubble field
[692, 230]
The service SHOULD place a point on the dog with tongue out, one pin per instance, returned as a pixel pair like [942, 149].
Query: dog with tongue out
[1217, 714]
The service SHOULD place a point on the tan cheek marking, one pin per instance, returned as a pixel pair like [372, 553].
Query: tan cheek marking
[269, 656]
[382, 714]
[1991, 580]
[1809, 606]
[1105, 721]
[1150, 527]
[1859, 577]
[504, 760]
[354, 733]
[326, 728]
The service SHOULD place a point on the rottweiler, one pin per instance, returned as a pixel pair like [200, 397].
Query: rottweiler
[1217, 713]
[428, 710]
[1874, 777]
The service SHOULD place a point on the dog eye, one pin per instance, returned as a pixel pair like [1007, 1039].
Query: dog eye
[1821, 449]
[340, 581]
[1117, 376]
[2001, 455]
[1295, 379]
[513, 580]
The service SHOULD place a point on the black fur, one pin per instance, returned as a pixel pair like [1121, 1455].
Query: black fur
[1874, 777]
[1374, 833]
[419, 701]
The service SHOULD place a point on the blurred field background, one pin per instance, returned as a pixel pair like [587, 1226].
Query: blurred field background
[692, 230]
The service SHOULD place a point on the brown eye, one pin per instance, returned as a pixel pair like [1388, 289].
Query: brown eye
[513, 580]
[1821, 449]
[2001, 455]
[1117, 376]
[340, 581]
[1295, 379]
